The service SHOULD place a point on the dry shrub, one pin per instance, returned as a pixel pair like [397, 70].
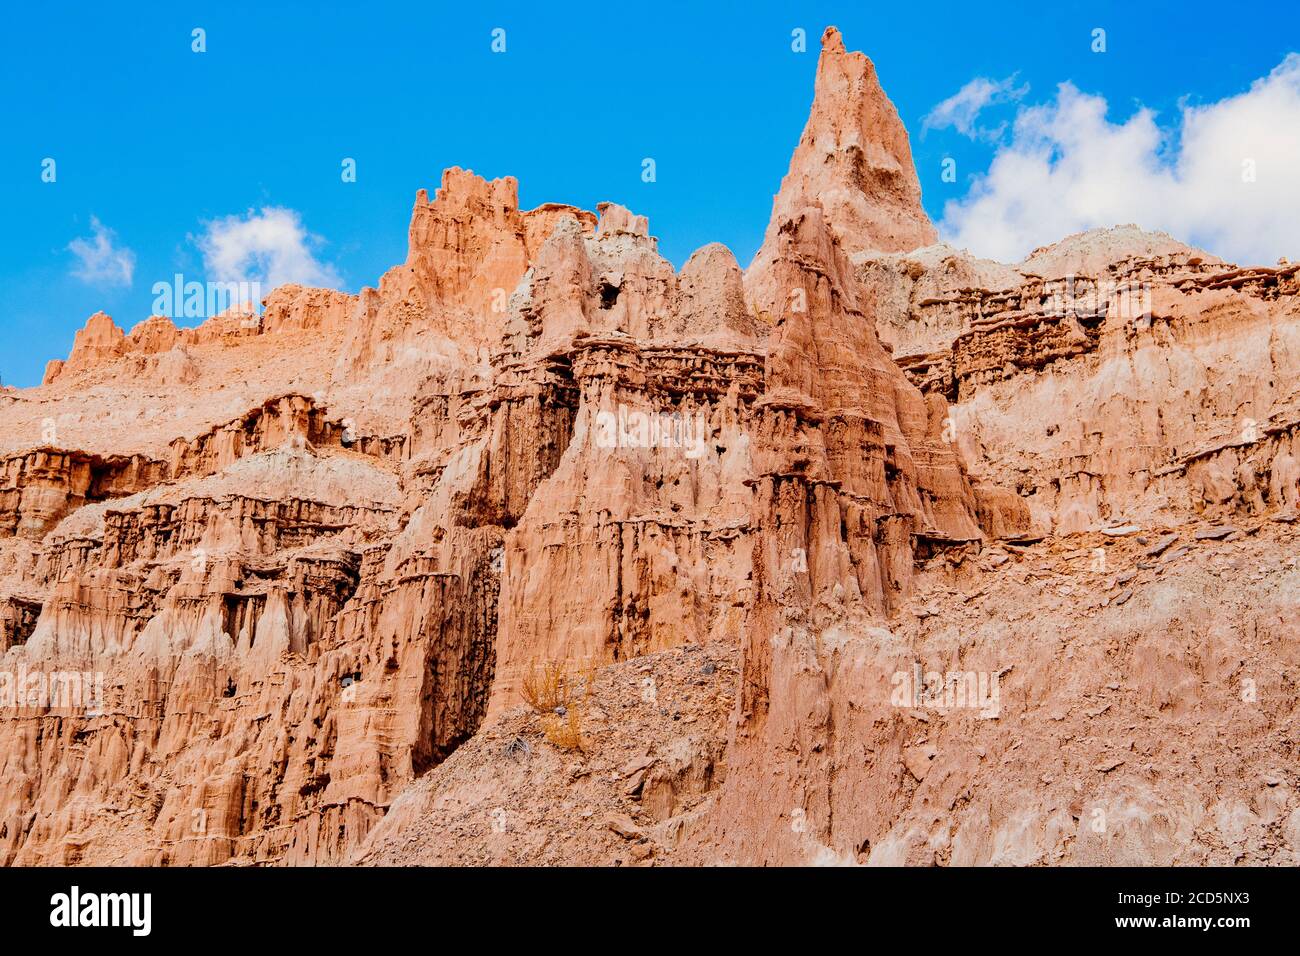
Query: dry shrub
[552, 691]
[547, 686]
[588, 674]
[564, 732]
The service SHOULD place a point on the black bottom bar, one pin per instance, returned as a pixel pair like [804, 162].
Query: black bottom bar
[347, 907]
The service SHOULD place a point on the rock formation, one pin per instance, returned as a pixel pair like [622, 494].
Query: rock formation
[854, 159]
[875, 552]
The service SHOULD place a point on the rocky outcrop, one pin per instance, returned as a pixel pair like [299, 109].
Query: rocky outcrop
[1157, 386]
[100, 341]
[468, 249]
[42, 486]
[295, 307]
[160, 349]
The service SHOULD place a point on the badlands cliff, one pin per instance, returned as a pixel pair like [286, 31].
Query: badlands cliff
[873, 552]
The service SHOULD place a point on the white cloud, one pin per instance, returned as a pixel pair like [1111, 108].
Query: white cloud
[99, 260]
[270, 246]
[962, 108]
[1225, 177]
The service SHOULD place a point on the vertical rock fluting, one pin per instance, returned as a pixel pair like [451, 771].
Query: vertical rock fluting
[279, 658]
[842, 425]
[645, 515]
[852, 477]
[855, 474]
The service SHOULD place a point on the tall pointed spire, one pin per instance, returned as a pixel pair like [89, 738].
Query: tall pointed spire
[855, 160]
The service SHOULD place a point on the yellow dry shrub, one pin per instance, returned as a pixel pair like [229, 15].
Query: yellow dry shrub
[549, 686]
[564, 732]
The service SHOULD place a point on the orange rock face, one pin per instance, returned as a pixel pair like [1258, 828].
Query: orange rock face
[874, 552]
[855, 161]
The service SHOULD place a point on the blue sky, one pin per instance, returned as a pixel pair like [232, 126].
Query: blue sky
[155, 141]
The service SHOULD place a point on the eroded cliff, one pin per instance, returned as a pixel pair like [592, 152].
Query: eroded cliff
[873, 552]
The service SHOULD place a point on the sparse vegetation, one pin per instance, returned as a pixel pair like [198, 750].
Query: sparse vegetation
[564, 731]
[559, 697]
[546, 686]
